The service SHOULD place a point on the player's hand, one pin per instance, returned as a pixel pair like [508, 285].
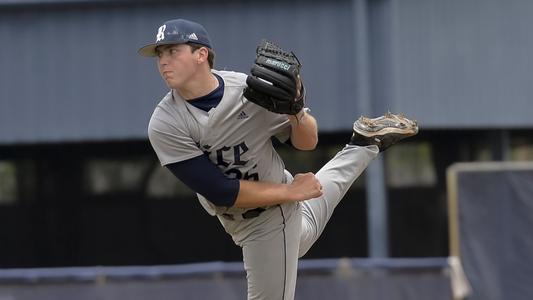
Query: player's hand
[305, 186]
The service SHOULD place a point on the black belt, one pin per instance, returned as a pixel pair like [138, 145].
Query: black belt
[249, 214]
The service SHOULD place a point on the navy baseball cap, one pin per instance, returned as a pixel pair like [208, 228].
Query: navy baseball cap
[178, 31]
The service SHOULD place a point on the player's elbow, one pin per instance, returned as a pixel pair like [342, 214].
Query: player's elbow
[307, 144]
[307, 148]
[224, 194]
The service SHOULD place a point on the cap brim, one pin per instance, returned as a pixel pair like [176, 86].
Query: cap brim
[149, 50]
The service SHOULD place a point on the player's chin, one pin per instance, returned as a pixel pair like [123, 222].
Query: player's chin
[171, 83]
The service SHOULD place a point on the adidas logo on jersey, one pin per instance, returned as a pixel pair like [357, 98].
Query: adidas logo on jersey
[242, 116]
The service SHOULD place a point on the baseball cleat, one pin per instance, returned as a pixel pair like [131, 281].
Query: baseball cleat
[383, 131]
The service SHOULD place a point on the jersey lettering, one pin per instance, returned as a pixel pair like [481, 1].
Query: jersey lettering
[220, 156]
[238, 152]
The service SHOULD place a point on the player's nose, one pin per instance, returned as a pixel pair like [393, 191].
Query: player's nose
[162, 59]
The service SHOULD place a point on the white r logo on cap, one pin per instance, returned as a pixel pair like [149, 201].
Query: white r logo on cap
[161, 33]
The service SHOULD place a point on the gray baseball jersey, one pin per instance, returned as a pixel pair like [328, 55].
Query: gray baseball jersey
[236, 136]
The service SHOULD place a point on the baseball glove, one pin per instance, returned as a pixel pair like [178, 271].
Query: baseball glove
[275, 82]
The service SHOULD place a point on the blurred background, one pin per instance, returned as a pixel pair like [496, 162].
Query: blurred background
[80, 185]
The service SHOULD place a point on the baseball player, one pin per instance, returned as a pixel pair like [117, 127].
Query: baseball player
[218, 142]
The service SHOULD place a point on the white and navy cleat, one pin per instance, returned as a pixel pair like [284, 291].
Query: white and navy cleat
[383, 131]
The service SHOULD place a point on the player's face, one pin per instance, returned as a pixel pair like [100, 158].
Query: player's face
[177, 64]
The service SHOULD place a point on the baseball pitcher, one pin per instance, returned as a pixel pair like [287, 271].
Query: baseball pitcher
[213, 130]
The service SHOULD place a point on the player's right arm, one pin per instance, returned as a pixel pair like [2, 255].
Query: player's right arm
[203, 177]
[256, 193]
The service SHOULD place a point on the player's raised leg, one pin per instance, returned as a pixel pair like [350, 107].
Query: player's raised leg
[370, 136]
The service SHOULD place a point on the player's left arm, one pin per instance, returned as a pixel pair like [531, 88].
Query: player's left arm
[304, 131]
[304, 128]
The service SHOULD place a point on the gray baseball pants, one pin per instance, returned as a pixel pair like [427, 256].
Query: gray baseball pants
[272, 242]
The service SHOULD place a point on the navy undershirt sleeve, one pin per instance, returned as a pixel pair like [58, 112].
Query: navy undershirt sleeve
[206, 179]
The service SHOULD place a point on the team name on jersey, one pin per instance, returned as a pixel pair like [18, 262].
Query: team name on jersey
[228, 156]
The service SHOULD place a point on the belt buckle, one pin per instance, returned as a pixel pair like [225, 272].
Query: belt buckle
[249, 214]
[253, 213]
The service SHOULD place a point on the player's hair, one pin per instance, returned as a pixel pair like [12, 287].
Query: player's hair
[210, 55]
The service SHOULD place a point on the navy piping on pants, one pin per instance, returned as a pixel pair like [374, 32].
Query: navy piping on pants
[284, 251]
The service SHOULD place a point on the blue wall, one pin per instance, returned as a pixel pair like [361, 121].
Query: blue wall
[70, 72]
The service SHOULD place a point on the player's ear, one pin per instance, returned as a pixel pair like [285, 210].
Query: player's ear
[202, 55]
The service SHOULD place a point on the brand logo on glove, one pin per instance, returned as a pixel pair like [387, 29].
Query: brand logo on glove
[278, 64]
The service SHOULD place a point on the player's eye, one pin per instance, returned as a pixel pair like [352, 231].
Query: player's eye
[173, 51]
